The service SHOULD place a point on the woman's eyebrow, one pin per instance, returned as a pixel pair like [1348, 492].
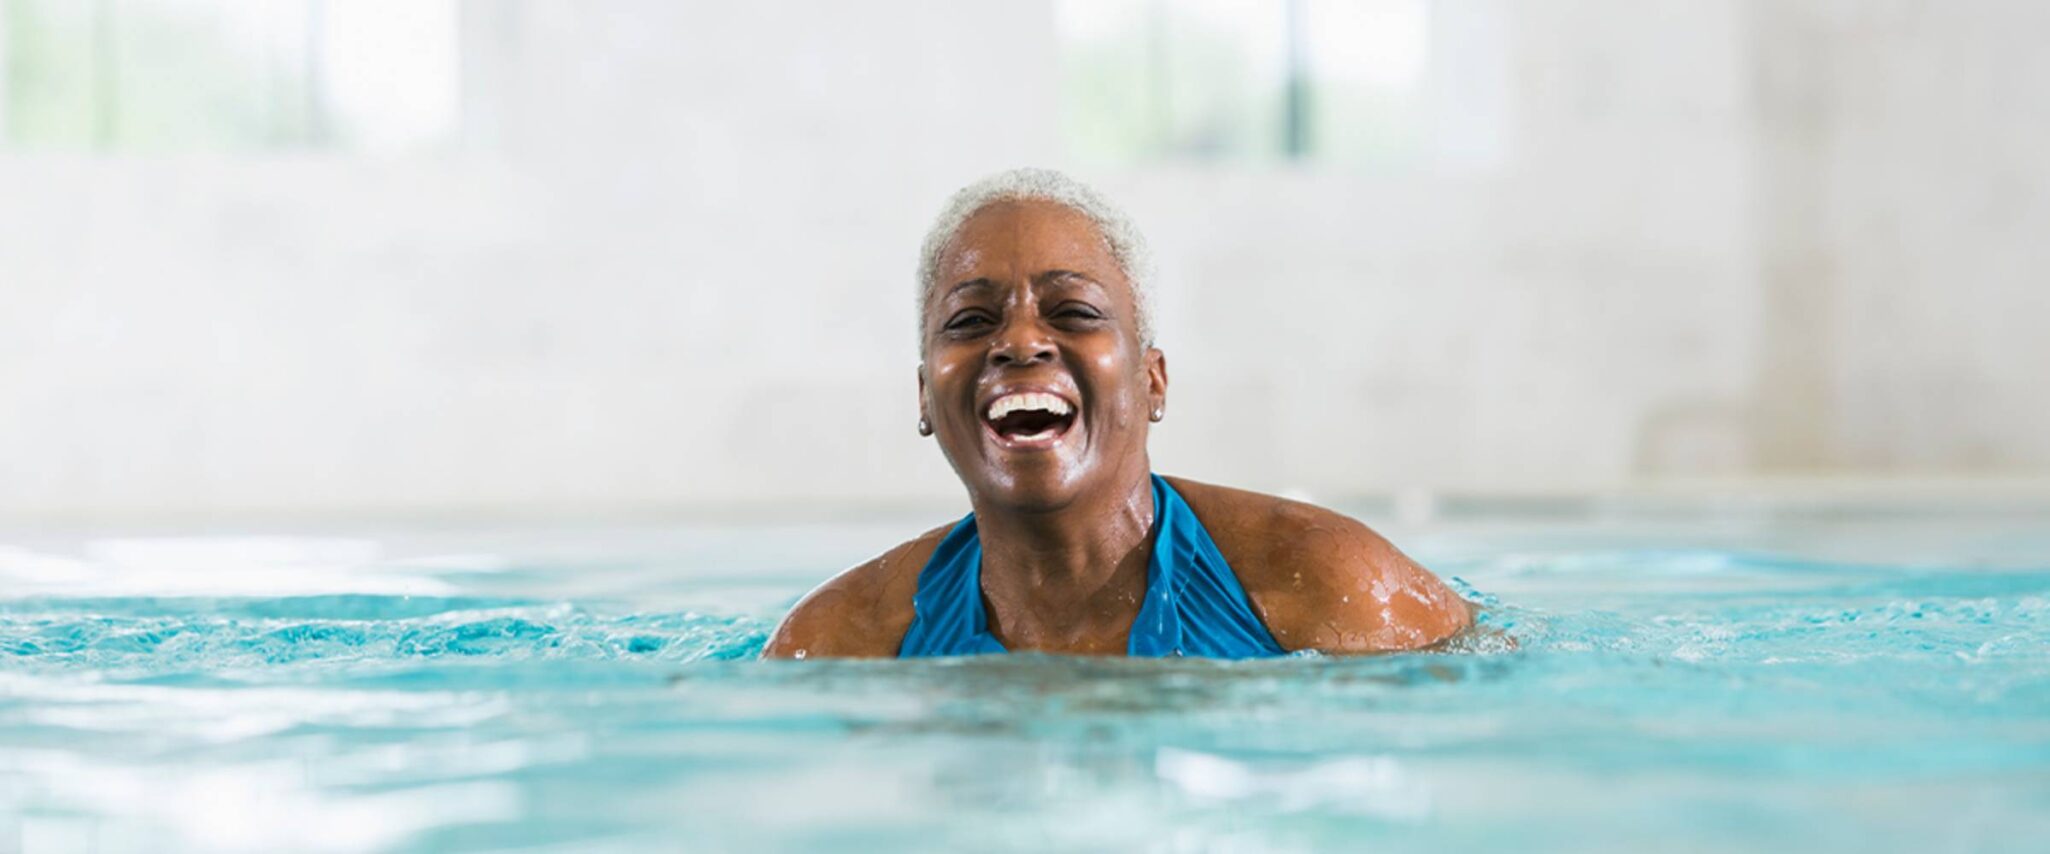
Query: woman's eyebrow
[1064, 275]
[962, 286]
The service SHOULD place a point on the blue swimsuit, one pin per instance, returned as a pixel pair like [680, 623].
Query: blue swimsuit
[1194, 605]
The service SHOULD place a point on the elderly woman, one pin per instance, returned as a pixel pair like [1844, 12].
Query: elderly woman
[1039, 380]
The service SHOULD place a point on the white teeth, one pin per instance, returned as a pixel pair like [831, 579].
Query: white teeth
[1027, 400]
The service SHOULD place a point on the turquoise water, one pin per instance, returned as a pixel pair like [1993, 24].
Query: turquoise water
[1717, 681]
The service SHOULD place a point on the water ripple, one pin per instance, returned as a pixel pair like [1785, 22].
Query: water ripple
[164, 635]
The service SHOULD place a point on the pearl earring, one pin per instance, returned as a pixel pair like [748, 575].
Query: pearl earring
[924, 427]
[1158, 414]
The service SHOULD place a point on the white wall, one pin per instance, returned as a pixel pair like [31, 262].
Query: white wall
[671, 266]
[1579, 314]
[1936, 209]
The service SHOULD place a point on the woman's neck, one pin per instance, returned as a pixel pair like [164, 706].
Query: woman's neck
[1062, 575]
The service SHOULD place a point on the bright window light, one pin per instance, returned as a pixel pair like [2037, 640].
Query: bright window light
[181, 75]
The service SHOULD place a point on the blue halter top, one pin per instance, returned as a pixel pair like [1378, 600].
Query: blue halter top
[1194, 605]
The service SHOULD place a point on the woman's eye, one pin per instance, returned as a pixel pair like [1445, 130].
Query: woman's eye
[1078, 311]
[967, 321]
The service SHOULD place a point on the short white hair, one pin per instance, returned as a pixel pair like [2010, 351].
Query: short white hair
[1127, 246]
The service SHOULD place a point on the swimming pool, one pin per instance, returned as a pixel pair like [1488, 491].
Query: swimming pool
[1707, 680]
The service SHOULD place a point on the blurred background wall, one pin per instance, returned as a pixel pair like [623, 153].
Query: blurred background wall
[310, 258]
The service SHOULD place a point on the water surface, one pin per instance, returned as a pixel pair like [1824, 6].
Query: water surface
[1708, 681]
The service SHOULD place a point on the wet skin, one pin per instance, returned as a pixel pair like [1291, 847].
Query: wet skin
[1031, 300]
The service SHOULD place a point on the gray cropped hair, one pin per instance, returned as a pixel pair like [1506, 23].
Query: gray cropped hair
[1126, 245]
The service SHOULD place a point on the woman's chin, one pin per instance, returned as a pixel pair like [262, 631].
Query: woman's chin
[1030, 488]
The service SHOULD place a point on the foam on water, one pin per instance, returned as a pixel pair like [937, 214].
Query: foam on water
[1617, 699]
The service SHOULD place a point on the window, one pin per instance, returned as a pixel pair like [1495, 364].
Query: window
[1244, 80]
[179, 75]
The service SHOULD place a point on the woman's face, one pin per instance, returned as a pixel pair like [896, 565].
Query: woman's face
[1035, 381]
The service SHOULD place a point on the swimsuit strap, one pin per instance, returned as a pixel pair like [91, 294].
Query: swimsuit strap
[1194, 604]
[947, 613]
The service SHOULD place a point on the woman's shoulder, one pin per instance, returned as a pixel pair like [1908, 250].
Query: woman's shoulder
[1269, 529]
[860, 613]
[1242, 506]
[1321, 579]
[1270, 541]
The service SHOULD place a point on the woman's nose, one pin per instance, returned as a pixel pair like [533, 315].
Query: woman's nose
[1022, 342]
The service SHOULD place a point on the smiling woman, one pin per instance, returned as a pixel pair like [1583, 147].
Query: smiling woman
[1040, 382]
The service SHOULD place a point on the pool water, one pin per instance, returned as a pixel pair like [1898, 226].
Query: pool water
[1703, 681]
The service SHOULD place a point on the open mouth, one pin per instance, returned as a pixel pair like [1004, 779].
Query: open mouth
[1029, 419]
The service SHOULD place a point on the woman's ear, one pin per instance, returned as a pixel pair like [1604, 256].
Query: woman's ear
[1156, 380]
[924, 416]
